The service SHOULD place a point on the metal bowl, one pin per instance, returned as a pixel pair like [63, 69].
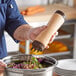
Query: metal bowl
[29, 72]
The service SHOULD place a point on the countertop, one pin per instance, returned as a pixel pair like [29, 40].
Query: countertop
[70, 13]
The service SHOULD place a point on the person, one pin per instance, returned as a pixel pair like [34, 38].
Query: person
[13, 22]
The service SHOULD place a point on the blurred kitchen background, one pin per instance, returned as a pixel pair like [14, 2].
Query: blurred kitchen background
[64, 44]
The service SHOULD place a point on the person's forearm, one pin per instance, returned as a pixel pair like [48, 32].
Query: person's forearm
[21, 33]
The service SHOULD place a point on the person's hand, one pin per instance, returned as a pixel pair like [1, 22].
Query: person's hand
[34, 32]
[26, 32]
[2, 67]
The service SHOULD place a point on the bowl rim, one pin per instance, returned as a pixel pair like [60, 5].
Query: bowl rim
[34, 70]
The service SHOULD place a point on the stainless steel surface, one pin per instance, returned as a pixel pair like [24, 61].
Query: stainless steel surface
[54, 54]
[74, 49]
[63, 37]
[27, 49]
[24, 72]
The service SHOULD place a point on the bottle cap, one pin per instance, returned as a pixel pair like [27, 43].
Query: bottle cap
[61, 13]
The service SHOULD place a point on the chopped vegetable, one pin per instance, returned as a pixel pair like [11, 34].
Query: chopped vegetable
[34, 63]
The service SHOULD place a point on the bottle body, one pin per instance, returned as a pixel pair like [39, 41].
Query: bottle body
[53, 25]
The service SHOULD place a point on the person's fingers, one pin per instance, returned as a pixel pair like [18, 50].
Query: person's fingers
[2, 69]
[33, 33]
[38, 30]
[1, 74]
[56, 33]
[2, 64]
[53, 37]
[47, 47]
[32, 37]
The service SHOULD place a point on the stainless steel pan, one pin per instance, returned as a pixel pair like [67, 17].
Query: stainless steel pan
[34, 72]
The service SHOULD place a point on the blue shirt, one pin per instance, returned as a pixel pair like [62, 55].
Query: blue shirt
[10, 20]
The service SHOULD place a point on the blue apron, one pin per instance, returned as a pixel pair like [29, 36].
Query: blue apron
[10, 20]
[3, 8]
